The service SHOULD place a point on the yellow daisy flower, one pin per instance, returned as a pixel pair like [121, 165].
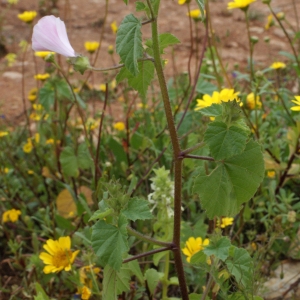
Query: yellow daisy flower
[27, 16]
[114, 27]
[195, 14]
[42, 77]
[192, 246]
[226, 222]
[119, 126]
[278, 65]
[3, 133]
[11, 215]
[297, 102]
[270, 22]
[243, 4]
[91, 47]
[225, 95]
[251, 103]
[43, 54]
[59, 256]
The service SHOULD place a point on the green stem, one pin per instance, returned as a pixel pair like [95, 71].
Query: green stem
[165, 283]
[147, 239]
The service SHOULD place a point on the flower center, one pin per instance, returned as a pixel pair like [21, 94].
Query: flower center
[62, 258]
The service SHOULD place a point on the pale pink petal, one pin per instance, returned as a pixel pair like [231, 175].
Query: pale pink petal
[50, 34]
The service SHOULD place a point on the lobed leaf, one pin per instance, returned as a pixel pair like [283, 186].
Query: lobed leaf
[129, 43]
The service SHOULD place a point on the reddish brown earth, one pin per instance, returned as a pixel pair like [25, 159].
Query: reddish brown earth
[84, 21]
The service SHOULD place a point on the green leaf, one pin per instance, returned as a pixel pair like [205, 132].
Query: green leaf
[117, 150]
[219, 248]
[115, 282]
[141, 6]
[195, 296]
[135, 269]
[214, 110]
[205, 87]
[198, 258]
[41, 294]
[68, 162]
[233, 182]
[110, 242]
[137, 209]
[47, 96]
[129, 43]
[201, 7]
[165, 40]
[126, 2]
[99, 214]
[224, 141]
[152, 277]
[141, 81]
[83, 156]
[240, 265]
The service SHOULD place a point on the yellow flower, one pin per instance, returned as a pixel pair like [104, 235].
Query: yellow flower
[35, 116]
[92, 124]
[12, 1]
[111, 49]
[50, 142]
[181, 2]
[43, 54]
[113, 84]
[270, 22]
[294, 108]
[32, 94]
[91, 47]
[59, 256]
[30, 172]
[27, 148]
[192, 246]
[226, 222]
[119, 126]
[27, 16]
[243, 4]
[85, 292]
[37, 106]
[195, 14]
[271, 174]
[251, 103]
[102, 87]
[5, 170]
[11, 215]
[11, 58]
[41, 77]
[37, 138]
[225, 95]
[85, 274]
[114, 27]
[278, 65]
[3, 133]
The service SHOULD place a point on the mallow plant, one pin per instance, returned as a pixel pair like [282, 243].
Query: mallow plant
[229, 175]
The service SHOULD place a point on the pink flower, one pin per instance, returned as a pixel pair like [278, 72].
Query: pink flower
[50, 34]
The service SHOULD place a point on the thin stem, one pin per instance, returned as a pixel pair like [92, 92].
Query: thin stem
[165, 283]
[119, 66]
[98, 171]
[198, 157]
[196, 79]
[207, 288]
[148, 239]
[148, 253]
[189, 150]
[212, 40]
[286, 34]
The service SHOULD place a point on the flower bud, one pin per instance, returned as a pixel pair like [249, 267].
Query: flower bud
[254, 39]
[50, 58]
[80, 63]
[266, 39]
